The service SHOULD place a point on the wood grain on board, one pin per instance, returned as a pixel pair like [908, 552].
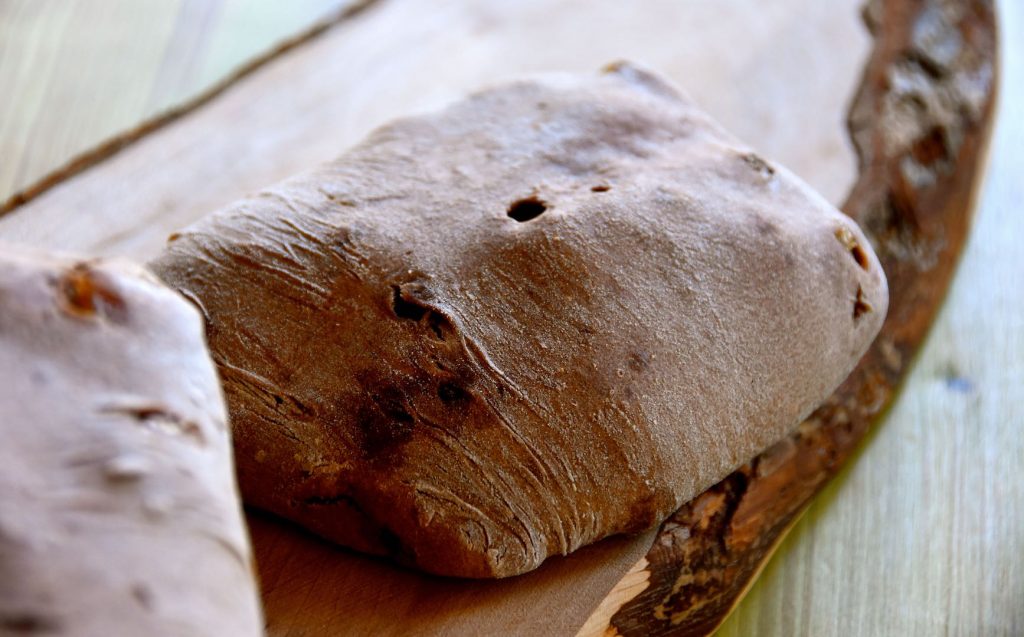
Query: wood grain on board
[77, 72]
[308, 105]
[322, 590]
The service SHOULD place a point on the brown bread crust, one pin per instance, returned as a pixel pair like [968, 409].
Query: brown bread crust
[553, 312]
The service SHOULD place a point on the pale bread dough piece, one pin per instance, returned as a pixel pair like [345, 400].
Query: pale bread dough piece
[119, 513]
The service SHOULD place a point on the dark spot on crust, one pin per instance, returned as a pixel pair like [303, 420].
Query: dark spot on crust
[451, 393]
[759, 165]
[860, 304]
[382, 436]
[643, 514]
[385, 424]
[391, 542]
[600, 188]
[765, 226]
[527, 209]
[639, 361]
[28, 623]
[85, 292]
[143, 596]
[391, 545]
[328, 500]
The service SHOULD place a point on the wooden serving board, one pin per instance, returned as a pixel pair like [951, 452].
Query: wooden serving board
[781, 75]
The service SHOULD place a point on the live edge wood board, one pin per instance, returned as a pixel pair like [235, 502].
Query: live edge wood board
[919, 123]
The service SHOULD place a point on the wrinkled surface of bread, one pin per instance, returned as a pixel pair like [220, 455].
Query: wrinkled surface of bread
[119, 513]
[551, 313]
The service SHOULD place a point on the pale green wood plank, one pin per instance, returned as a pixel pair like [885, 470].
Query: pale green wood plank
[88, 77]
[30, 37]
[76, 72]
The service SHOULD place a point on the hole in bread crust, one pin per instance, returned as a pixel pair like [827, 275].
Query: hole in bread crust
[856, 251]
[527, 209]
[407, 306]
[404, 308]
[859, 256]
[86, 292]
[439, 325]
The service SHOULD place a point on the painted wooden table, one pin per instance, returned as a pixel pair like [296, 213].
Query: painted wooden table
[924, 533]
